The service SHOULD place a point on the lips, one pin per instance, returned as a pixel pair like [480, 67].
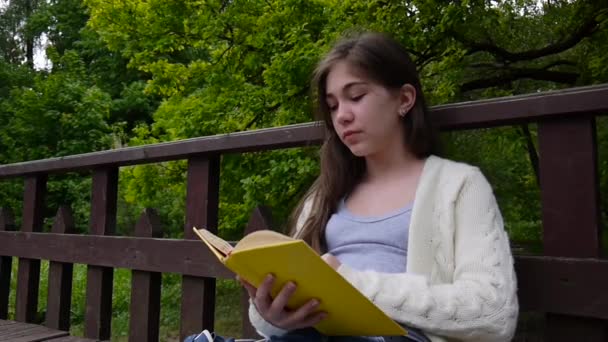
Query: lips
[349, 134]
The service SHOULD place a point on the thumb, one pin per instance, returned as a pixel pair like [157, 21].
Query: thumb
[331, 260]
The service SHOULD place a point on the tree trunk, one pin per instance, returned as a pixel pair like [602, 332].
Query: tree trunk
[29, 37]
[532, 154]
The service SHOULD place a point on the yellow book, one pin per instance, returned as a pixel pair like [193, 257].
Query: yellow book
[349, 312]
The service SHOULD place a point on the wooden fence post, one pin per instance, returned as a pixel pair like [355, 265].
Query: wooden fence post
[6, 264]
[28, 275]
[98, 314]
[59, 297]
[144, 316]
[202, 202]
[570, 209]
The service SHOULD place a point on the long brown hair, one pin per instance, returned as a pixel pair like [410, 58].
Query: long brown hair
[384, 61]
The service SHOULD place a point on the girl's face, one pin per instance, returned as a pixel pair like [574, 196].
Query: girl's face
[365, 114]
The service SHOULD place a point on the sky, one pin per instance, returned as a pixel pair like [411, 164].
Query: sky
[40, 60]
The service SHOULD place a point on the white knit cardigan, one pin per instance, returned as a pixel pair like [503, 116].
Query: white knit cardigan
[460, 282]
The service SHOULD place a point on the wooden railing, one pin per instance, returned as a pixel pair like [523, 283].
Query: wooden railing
[568, 283]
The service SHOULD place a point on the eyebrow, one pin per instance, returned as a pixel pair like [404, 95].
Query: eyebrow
[347, 87]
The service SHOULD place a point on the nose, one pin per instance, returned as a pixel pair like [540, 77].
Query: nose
[343, 114]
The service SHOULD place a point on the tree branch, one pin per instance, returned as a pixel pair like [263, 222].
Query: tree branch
[271, 109]
[585, 30]
[515, 74]
[532, 153]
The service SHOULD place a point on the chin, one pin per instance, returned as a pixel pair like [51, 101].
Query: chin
[358, 151]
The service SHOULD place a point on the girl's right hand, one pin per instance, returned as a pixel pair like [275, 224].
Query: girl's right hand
[276, 312]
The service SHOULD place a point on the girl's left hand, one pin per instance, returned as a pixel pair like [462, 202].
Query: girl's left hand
[331, 261]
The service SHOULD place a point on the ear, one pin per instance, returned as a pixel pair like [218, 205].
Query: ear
[407, 98]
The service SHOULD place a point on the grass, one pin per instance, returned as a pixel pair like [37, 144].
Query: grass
[228, 294]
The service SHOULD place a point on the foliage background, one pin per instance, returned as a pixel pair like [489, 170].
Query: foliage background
[126, 73]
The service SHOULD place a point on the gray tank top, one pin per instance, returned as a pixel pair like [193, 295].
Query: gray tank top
[370, 243]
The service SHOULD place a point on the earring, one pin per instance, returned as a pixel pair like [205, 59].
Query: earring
[402, 112]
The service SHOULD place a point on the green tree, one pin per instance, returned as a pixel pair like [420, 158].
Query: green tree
[228, 66]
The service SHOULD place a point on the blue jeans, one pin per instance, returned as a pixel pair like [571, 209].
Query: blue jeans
[312, 335]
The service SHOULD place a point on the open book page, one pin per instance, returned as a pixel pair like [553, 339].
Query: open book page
[216, 243]
[261, 238]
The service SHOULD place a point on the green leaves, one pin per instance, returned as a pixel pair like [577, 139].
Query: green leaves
[139, 72]
[59, 115]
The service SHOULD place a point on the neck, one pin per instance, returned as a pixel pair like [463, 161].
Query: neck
[393, 162]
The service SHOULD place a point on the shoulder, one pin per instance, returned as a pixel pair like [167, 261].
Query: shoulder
[447, 180]
[304, 214]
[444, 171]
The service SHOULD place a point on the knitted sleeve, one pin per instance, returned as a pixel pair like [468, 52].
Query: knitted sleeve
[263, 327]
[480, 303]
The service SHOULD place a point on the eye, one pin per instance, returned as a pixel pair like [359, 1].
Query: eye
[332, 107]
[356, 98]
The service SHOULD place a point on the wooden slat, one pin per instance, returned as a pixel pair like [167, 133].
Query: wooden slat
[145, 288]
[28, 275]
[563, 285]
[98, 314]
[520, 109]
[60, 278]
[485, 113]
[202, 201]
[5, 323]
[189, 257]
[25, 332]
[256, 140]
[261, 218]
[545, 282]
[6, 263]
[71, 339]
[570, 209]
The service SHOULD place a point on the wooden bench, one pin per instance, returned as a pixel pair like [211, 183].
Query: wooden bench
[567, 285]
[11, 331]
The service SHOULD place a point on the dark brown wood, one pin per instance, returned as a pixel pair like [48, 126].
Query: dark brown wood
[487, 113]
[261, 218]
[145, 288]
[512, 110]
[71, 339]
[59, 298]
[24, 332]
[570, 207]
[255, 140]
[98, 312]
[189, 257]
[569, 187]
[6, 263]
[569, 328]
[563, 285]
[202, 201]
[28, 275]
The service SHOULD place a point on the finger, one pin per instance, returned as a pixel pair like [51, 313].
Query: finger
[245, 283]
[313, 319]
[304, 311]
[310, 320]
[251, 290]
[331, 260]
[280, 301]
[262, 295]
